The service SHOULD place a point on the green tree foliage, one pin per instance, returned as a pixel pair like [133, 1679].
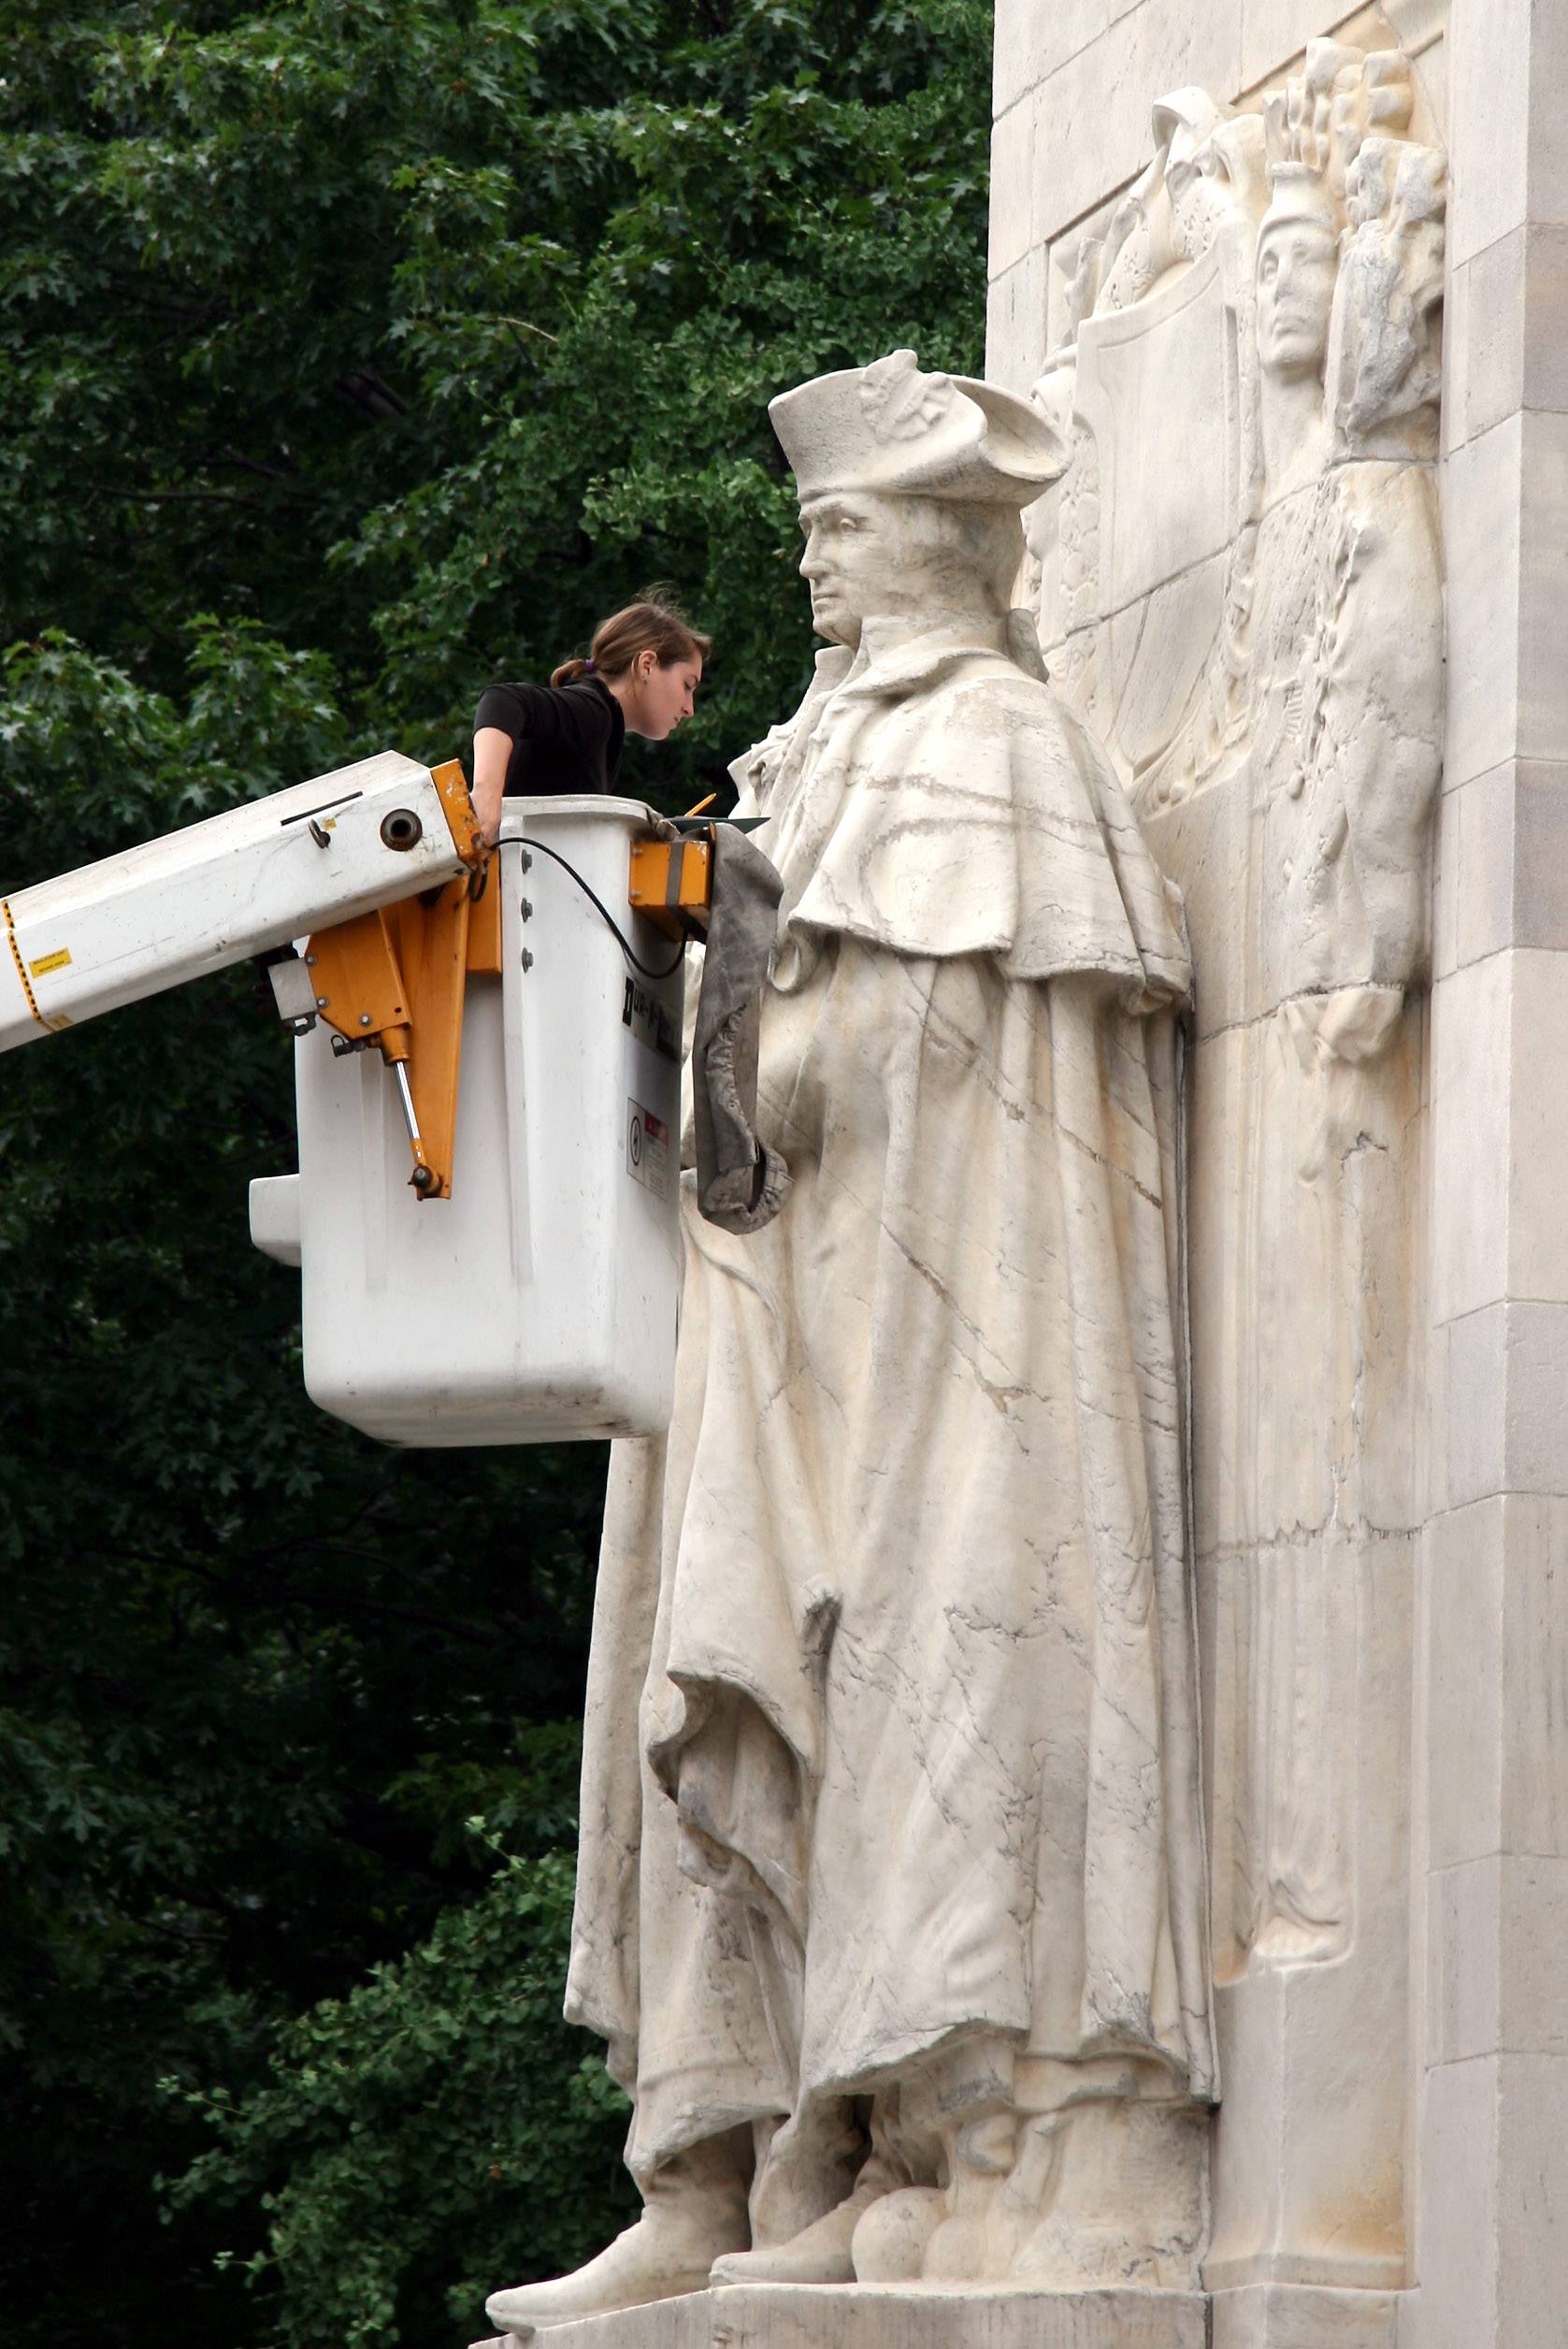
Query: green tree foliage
[255, 1671]
[417, 329]
[351, 352]
[422, 2115]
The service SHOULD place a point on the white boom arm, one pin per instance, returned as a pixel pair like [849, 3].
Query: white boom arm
[198, 900]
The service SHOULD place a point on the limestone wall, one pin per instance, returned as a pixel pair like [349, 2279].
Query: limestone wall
[1379, 1121]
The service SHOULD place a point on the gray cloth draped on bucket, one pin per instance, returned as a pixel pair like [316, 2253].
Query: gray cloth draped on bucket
[741, 1183]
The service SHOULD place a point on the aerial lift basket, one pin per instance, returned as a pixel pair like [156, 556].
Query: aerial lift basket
[532, 1297]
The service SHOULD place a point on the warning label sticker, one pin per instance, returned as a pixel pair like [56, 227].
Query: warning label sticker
[46, 963]
[648, 1151]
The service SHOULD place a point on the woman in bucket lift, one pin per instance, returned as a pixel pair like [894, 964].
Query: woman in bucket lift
[641, 676]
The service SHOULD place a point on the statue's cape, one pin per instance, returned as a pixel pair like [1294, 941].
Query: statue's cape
[934, 797]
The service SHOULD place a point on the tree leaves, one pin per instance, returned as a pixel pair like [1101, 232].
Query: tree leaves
[407, 304]
[438, 2103]
[353, 353]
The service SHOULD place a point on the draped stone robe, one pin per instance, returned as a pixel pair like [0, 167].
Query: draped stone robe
[891, 1731]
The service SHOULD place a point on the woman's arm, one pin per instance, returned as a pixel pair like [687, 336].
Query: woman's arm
[492, 756]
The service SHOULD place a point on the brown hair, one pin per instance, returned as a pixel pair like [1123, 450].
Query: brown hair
[654, 624]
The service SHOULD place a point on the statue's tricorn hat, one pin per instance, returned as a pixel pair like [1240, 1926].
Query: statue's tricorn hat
[891, 430]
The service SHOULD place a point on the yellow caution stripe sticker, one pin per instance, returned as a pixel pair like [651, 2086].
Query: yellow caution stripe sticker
[46, 963]
[21, 967]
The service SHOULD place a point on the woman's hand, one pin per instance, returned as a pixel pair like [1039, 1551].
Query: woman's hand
[492, 756]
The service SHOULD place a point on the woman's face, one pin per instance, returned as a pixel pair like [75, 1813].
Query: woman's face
[660, 696]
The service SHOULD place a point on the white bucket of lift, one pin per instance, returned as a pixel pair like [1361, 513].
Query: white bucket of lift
[539, 1302]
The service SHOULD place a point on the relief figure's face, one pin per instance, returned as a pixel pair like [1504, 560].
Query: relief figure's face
[1297, 263]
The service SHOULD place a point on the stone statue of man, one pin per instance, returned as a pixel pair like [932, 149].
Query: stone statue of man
[890, 1901]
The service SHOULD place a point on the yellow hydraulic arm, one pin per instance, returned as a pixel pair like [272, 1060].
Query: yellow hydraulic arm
[396, 978]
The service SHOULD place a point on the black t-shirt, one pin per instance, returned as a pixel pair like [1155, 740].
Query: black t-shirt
[564, 738]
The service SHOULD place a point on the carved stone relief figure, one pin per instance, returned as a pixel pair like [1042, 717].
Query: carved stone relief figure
[1240, 585]
[1346, 645]
[1345, 653]
[891, 1896]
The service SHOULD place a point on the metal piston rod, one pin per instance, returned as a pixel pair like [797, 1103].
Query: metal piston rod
[422, 1175]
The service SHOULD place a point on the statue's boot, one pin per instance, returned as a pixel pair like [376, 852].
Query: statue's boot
[984, 2221]
[695, 2211]
[818, 2254]
[975, 2241]
[1125, 2202]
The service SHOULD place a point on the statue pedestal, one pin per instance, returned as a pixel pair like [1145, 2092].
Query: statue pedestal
[893, 2316]
[1304, 2316]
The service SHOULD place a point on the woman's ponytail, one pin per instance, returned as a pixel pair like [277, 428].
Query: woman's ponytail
[654, 624]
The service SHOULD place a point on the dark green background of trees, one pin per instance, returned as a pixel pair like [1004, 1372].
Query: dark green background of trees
[351, 352]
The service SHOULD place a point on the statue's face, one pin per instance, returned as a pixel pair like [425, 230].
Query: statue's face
[1297, 265]
[867, 559]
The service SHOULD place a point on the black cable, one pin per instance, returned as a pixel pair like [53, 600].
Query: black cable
[522, 840]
